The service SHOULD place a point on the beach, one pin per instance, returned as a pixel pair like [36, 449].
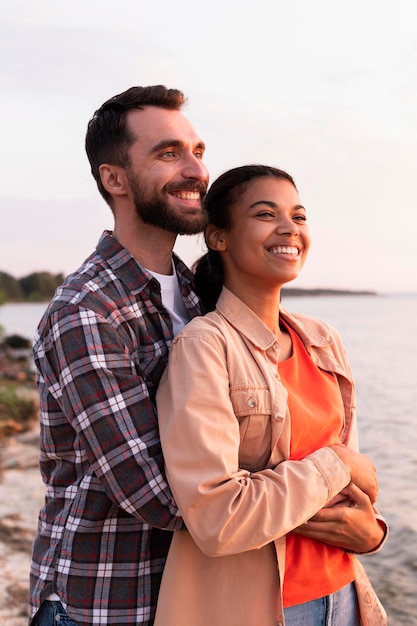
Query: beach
[21, 496]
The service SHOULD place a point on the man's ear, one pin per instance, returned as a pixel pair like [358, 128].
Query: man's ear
[215, 238]
[113, 179]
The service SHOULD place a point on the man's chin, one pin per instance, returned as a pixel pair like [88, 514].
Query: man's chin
[191, 223]
[191, 229]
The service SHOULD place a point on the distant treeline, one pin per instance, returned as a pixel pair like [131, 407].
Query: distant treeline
[36, 287]
[40, 287]
[297, 291]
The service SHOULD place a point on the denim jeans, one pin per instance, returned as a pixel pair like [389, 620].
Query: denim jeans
[52, 614]
[338, 609]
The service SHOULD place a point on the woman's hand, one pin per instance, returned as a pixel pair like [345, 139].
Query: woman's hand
[350, 524]
[362, 470]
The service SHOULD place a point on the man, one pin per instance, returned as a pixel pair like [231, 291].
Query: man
[100, 350]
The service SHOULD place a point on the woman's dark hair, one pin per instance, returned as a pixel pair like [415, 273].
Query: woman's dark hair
[108, 137]
[223, 194]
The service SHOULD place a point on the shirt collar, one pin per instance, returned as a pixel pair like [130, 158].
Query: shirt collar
[133, 275]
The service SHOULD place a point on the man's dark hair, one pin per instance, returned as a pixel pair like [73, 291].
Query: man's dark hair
[108, 137]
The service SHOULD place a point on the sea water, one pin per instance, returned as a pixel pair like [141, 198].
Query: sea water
[380, 336]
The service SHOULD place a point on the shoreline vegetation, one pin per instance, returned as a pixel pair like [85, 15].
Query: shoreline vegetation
[35, 287]
[41, 286]
[19, 402]
[316, 291]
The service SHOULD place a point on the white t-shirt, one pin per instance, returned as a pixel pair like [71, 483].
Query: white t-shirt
[172, 299]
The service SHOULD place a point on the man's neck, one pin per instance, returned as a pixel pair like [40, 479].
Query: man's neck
[150, 246]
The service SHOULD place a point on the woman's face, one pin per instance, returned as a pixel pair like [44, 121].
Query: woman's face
[269, 238]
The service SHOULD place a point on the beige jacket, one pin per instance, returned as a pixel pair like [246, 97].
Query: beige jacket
[225, 431]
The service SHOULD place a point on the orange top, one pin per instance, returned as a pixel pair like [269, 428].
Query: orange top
[313, 569]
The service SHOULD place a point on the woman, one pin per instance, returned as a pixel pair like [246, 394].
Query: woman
[258, 430]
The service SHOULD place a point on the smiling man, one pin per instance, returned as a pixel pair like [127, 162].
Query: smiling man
[100, 350]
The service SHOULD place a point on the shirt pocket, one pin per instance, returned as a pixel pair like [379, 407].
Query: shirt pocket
[252, 407]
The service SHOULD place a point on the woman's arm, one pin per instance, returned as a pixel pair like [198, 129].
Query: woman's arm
[228, 509]
[354, 525]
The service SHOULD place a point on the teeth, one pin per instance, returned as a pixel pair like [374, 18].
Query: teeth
[188, 195]
[284, 250]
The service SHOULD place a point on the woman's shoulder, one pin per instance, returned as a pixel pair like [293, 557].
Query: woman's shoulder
[315, 328]
[204, 325]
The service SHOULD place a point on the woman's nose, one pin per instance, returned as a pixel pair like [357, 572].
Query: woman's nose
[287, 227]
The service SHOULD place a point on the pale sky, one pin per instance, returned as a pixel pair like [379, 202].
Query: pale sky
[324, 89]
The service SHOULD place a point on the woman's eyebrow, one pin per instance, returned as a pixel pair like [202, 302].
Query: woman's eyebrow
[274, 205]
[269, 203]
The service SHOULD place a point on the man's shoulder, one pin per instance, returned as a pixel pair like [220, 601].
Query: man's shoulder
[96, 286]
[91, 279]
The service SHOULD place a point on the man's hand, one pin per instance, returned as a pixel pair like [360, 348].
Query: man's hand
[350, 524]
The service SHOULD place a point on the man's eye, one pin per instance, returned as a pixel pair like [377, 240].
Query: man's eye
[199, 154]
[168, 154]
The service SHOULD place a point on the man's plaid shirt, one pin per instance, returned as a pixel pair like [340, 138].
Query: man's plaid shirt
[100, 351]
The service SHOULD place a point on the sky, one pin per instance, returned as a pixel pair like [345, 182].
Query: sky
[324, 89]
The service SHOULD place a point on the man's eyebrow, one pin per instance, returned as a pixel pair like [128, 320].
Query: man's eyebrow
[175, 143]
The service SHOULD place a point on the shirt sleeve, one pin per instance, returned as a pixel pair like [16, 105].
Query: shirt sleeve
[93, 383]
[228, 509]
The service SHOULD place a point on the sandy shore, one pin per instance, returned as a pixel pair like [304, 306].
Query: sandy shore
[21, 496]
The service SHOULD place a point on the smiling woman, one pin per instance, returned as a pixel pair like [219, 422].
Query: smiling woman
[269, 242]
[261, 445]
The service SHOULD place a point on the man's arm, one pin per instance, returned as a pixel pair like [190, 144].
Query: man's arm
[87, 368]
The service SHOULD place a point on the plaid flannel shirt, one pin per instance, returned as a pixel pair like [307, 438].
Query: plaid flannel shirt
[100, 350]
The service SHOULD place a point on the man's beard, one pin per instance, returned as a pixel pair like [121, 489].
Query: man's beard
[155, 209]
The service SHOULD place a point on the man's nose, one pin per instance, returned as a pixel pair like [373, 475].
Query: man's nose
[194, 167]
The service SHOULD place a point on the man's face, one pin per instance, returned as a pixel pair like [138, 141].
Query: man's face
[167, 176]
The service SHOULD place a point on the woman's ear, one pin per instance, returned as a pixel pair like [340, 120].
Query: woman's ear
[113, 179]
[215, 238]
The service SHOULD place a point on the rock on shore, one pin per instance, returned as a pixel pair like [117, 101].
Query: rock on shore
[21, 496]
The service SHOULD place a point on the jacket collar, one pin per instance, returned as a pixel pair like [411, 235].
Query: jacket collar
[317, 336]
[246, 322]
[312, 331]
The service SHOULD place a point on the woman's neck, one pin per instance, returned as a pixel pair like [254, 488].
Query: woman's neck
[265, 304]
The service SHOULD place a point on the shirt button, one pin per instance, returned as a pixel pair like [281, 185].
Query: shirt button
[278, 417]
[252, 403]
